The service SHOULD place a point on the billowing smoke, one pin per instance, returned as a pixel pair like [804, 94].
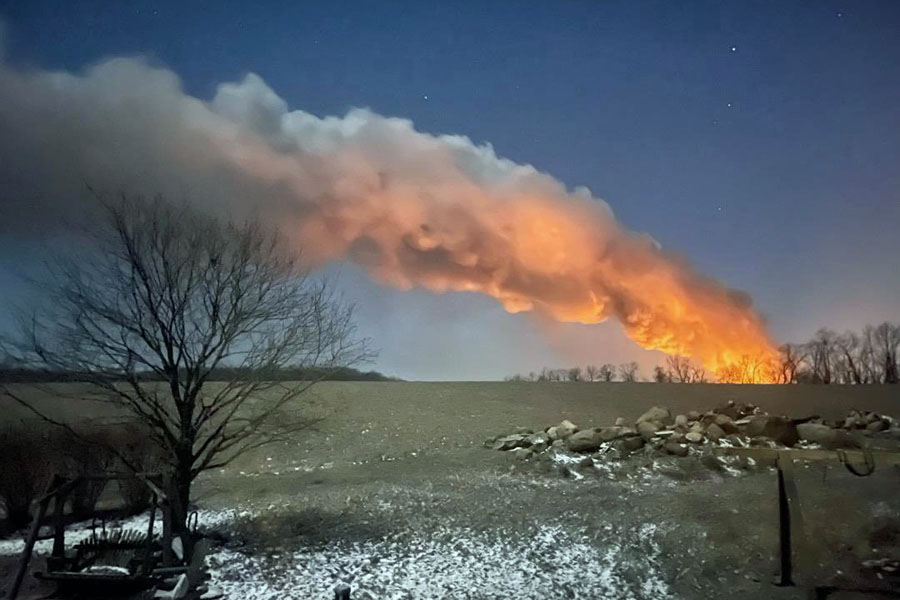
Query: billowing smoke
[413, 209]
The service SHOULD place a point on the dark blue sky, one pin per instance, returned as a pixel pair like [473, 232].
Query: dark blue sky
[759, 139]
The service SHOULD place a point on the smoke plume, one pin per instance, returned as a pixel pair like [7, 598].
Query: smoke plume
[414, 210]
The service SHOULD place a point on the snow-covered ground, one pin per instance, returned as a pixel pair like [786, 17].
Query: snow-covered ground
[556, 562]
[454, 563]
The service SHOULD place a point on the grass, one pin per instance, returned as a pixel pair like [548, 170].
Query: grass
[404, 461]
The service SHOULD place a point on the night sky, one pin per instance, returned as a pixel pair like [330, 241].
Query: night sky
[760, 140]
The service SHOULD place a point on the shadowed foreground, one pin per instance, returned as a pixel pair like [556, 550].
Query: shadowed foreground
[394, 493]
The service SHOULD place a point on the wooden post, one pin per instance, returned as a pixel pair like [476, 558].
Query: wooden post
[167, 522]
[32, 538]
[59, 524]
[784, 531]
[148, 552]
[790, 519]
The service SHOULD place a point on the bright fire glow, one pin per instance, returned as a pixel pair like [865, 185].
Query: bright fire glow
[413, 209]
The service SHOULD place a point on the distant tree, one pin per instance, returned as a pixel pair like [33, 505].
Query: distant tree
[822, 353]
[628, 371]
[170, 291]
[683, 370]
[592, 372]
[606, 372]
[792, 357]
[574, 374]
[660, 375]
[850, 353]
[886, 340]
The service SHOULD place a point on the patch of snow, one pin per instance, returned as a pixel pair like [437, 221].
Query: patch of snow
[455, 563]
[79, 532]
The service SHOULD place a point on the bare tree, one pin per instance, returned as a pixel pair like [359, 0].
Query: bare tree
[849, 360]
[592, 372]
[886, 340]
[628, 371]
[168, 294]
[607, 372]
[661, 375]
[822, 354]
[792, 359]
[574, 374]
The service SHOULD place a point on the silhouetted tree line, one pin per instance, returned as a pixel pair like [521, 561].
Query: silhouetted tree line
[871, 356]
[605, 372]
[866, 357]
[24, 375]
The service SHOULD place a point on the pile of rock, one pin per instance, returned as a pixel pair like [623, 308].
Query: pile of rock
[658, 432]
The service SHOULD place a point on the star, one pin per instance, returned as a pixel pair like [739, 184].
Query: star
[425, 96]
[729, 105]
[840, 14]
[734, 48]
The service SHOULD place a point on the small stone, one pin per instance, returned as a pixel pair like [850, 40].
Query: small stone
[633, 443]
[693, 415]
[523, 431]
[694, 437]
[675, 449]
[587, 461]
[521, 453]
[681, 421]
[539, 447]
[620, 421]
[538, 438]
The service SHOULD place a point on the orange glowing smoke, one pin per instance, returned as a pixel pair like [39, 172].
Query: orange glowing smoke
[440, 213]
[414, 210]
[413, 215]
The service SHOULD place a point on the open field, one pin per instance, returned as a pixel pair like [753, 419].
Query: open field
[394, 493]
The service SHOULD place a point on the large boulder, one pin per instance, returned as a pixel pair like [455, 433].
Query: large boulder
[714, 432]
[726, 423]
[647, 429]
[657, 414]
[816, 433]
[510, 442]
[780, 429]
[562, 431]
[826, 436]
[587, 440]
[876, 426]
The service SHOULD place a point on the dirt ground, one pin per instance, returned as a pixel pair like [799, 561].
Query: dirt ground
[403, 464]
